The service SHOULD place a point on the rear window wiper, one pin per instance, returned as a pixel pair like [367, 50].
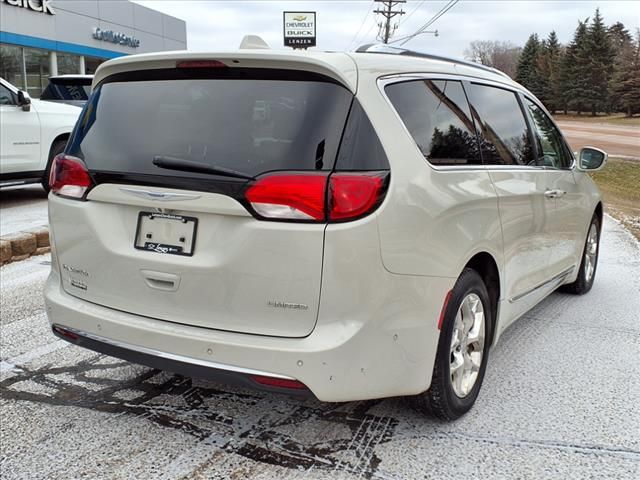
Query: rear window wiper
[173, 163]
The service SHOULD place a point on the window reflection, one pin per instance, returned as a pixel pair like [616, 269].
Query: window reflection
[437, 115]
[551, 147]
[505, 137]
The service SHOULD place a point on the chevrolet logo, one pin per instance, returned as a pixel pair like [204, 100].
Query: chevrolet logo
[300, 18]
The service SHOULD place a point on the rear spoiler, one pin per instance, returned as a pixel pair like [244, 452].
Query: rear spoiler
[338, 66]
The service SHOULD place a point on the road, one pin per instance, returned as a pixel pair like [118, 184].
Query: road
[616, 140]
[560, 400]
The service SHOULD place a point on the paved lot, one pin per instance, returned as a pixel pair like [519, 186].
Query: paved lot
[616, 140]
[560, 400]
[22, 208]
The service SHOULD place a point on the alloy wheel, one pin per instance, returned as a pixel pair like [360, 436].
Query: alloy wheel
[467, 345]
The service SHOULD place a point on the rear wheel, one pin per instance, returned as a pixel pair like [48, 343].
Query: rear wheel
[463, 351]
[589, 263]
[56, 148]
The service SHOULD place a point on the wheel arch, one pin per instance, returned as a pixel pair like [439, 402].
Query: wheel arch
[487, 268]
[63, 136]
[599, 211]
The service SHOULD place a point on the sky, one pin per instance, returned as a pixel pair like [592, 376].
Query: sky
[343, 25]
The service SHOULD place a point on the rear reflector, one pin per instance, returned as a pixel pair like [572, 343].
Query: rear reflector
[200, 64]
[278, 382]
[65, 333]
[317, 197]
[443, 312]
[69, 177]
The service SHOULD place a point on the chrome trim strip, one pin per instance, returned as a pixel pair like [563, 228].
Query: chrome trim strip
[159, 196]
[558, 279]
[172, 356]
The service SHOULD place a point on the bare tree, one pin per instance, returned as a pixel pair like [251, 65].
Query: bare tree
[496, 54]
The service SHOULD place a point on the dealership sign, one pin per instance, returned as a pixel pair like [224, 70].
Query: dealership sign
[115, 37]
[300, 29]
[43, 6]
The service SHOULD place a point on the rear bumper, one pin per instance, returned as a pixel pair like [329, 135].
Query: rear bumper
[339, 361]
[191, 367]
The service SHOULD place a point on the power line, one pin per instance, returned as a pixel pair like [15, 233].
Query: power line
[441, 12]
[386, 29]
[431, 21]
[404, 20]
[361, 25]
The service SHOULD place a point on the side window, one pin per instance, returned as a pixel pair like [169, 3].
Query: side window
[505, 137]
[437, 115]
[6, 97]
[551, 147]
[360, 148]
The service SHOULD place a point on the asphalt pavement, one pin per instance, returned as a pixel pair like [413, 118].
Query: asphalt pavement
[22, 208]
[560, 400]
[621, 141]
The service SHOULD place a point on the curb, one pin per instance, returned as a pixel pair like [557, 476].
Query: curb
[20, 245]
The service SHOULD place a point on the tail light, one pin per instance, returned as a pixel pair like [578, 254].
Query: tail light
[333, 197]
[201, 64]
[353, 195]
[289, 197]
[69, 177]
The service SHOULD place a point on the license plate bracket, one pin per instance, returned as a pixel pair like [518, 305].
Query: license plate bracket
[166, 233]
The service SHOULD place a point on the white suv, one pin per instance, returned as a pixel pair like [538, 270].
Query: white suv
[350, 225]
[32, 132]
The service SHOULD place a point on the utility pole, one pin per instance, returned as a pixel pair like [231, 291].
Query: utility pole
[386, 29]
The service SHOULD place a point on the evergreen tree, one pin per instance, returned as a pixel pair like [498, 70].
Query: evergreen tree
[528, 70]
[625, 84]
[548, 66]
[599, 65]
[573, 80]
[619, 37]
[622, 45]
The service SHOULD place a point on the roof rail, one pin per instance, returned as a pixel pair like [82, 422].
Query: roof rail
[387, 49]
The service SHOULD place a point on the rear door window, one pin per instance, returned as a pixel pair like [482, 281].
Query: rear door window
[437, 115]
[505, 138]
[243, 121]
[552, 150]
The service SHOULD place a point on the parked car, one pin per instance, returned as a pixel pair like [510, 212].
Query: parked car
[71, 89]
[32, 132]
[348, 225]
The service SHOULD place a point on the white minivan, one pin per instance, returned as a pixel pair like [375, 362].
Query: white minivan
[347, 225]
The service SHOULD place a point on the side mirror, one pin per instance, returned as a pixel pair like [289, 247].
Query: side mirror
[24, 100]
[591, 159]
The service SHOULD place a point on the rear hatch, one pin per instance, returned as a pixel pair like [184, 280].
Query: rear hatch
[164, 228]
[71, 89]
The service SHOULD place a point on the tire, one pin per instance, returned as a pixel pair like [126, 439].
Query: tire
[56, 148]
[447, 398]
[589, 262]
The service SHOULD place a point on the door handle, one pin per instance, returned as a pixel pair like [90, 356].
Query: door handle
[554, 193]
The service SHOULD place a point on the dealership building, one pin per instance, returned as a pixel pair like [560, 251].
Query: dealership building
[41, 38]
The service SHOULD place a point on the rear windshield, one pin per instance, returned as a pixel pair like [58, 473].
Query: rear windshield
[244, 124]
[66, 91]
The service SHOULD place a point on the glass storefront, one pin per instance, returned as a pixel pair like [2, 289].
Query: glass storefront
[91, 64]
[68, 63]
[11, 66]
[36, 63]
[29, 68]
